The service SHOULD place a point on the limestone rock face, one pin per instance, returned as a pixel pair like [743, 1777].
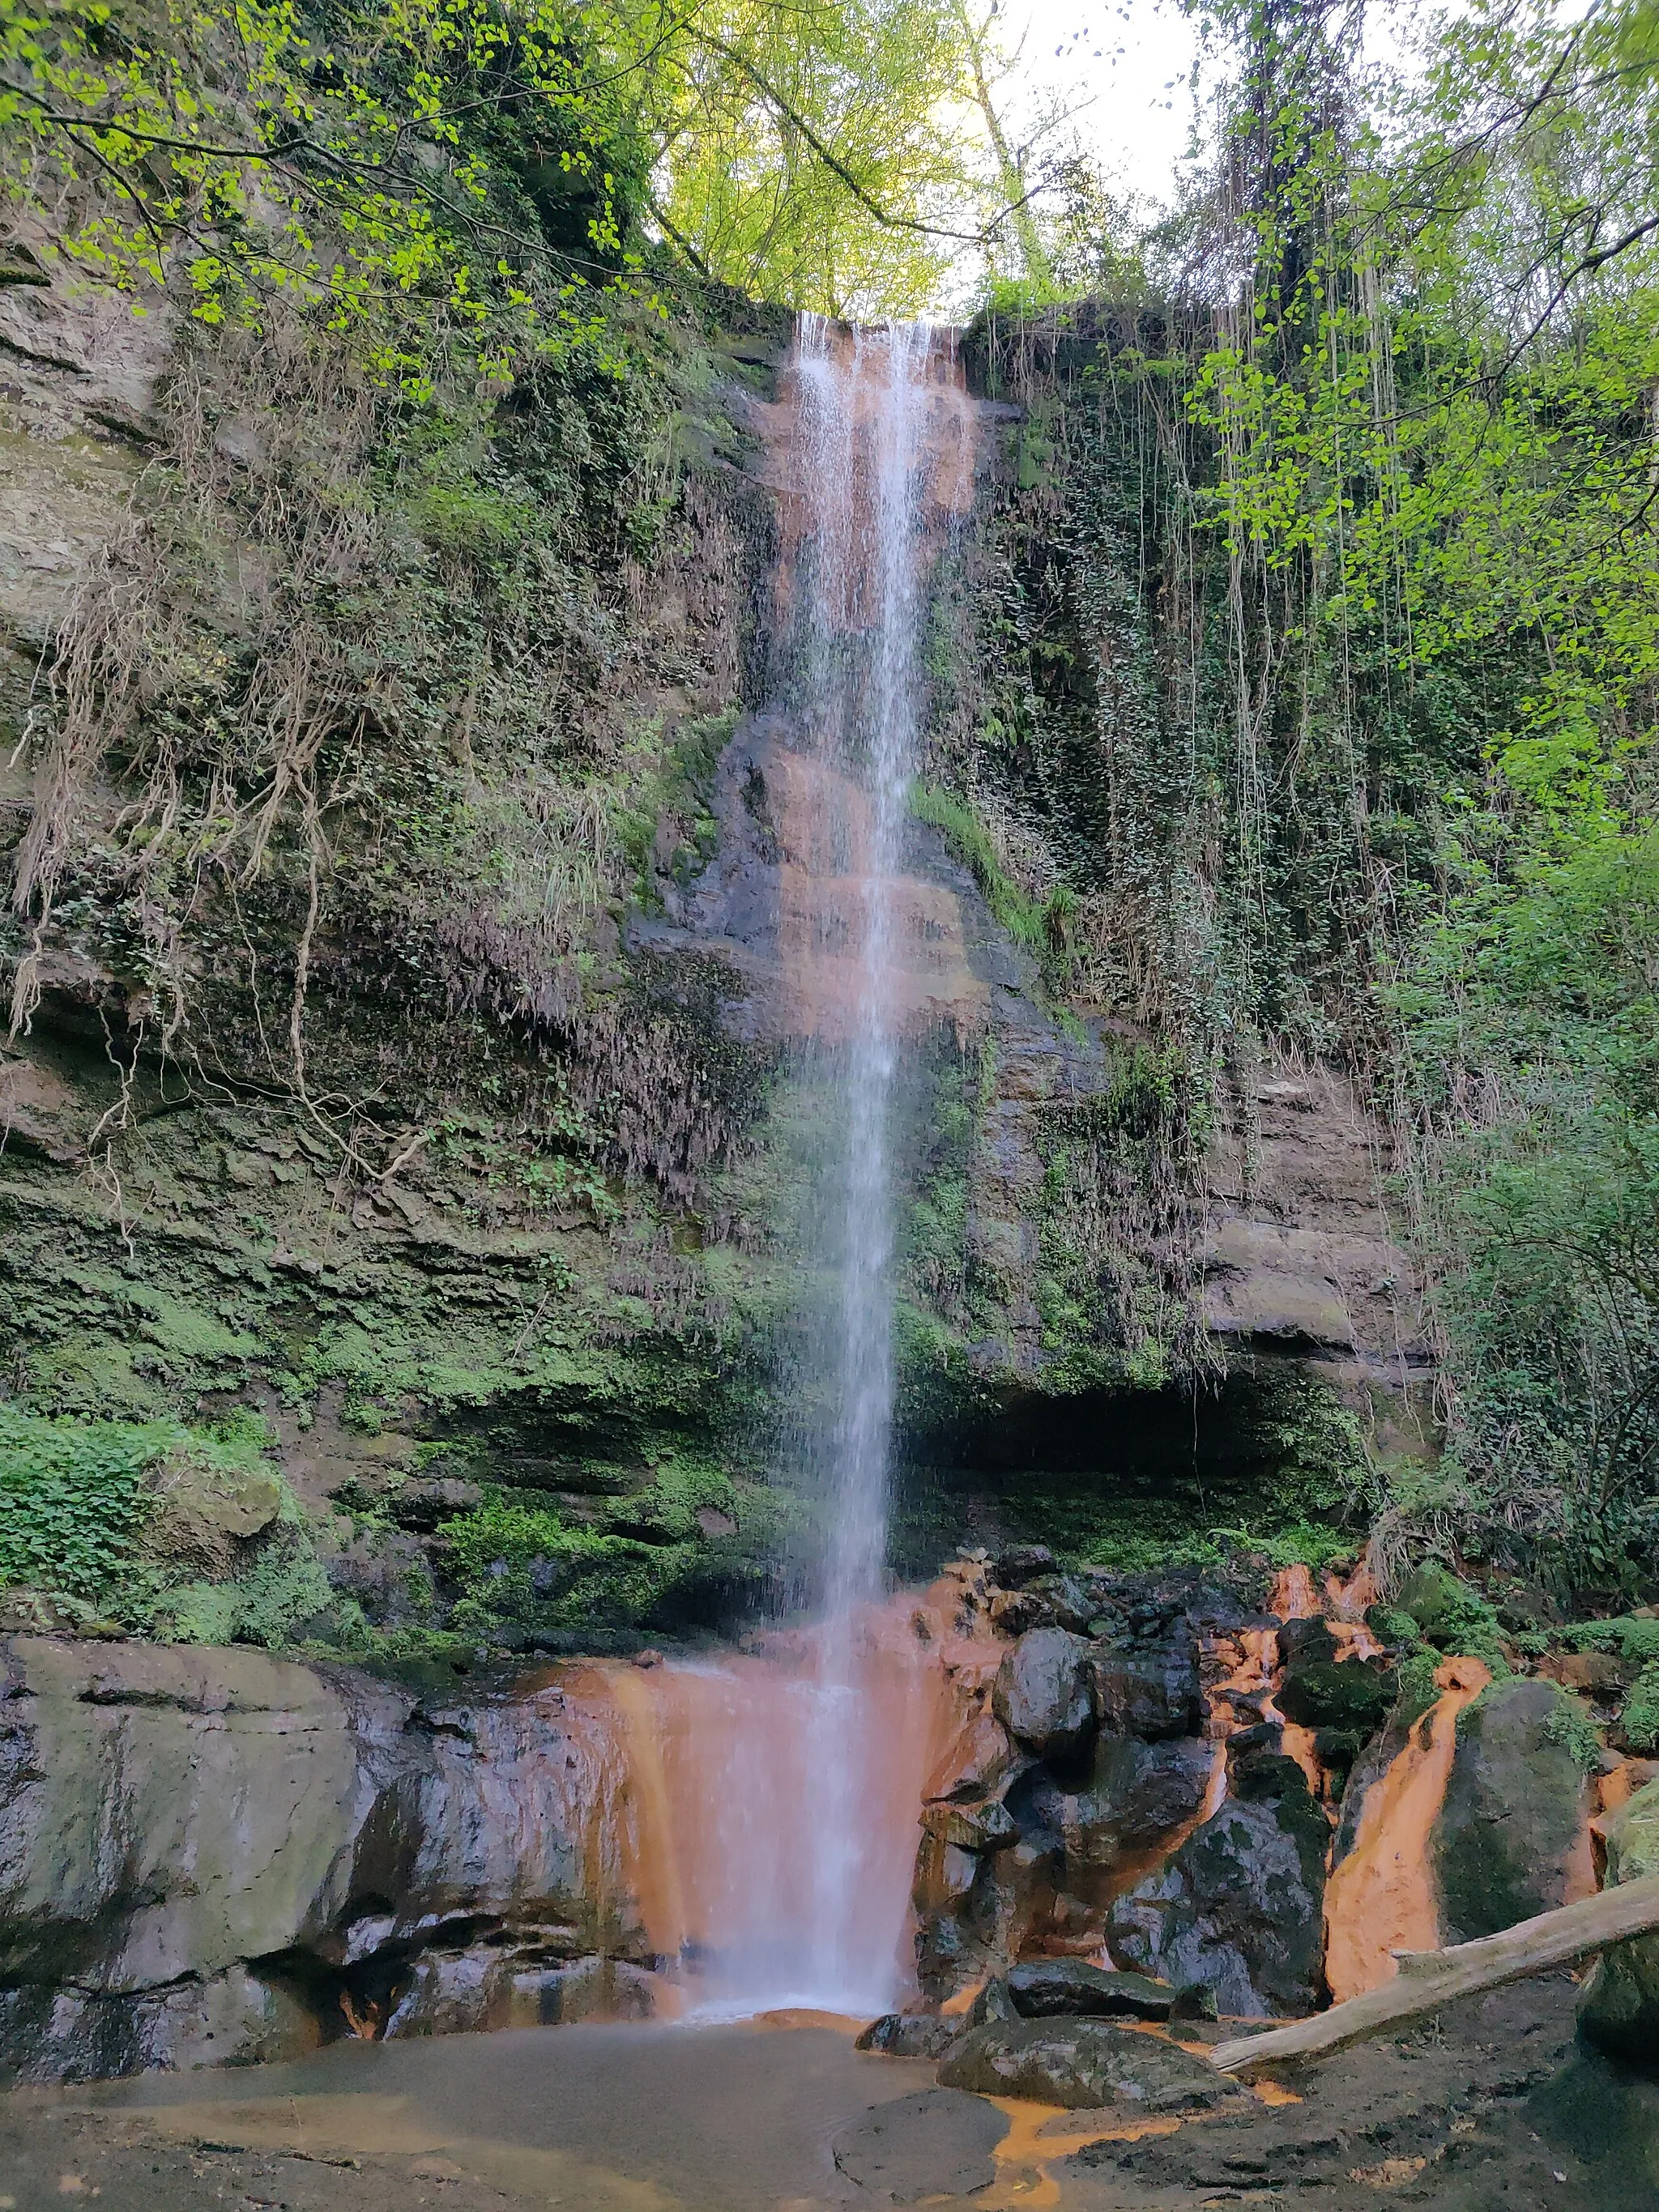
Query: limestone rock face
[1044, 1693]
[1514, 1817]
[1239, 1906]
[1083, 2063]
[212, 1855]
[1618, 2010]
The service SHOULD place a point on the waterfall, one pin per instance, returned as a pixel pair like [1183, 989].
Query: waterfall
[859, 458]
[794, 1779]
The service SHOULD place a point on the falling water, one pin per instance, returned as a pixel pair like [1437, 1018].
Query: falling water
[791, 1782]
[864, 576]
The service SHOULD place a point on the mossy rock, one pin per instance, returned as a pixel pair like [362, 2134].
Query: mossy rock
[1515, 1809]
[1618, 2010]
[1349, 1695]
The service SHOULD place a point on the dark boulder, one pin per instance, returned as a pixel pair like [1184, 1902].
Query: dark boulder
[1511, 1823]
[1043, 1694]
[1152, 1693]
[910, 2035]
[1084, 2063]
[1022, 1563]
[1071, 1602]
[1138, 1797]
[1351, 1696]
[1240, 1905]
[1043, 1988]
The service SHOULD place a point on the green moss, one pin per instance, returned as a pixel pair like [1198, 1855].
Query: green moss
[1418, 1690]
[1038, 925]
[1454, 1618]
[1630, 1636]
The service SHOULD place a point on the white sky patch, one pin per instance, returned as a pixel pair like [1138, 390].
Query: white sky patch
[1125, 67]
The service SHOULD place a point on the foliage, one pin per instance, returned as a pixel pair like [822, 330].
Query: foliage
[498, 163]
[71, 1495]
[1640, 1719]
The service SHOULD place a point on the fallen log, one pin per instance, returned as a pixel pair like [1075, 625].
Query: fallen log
[1429, 1979]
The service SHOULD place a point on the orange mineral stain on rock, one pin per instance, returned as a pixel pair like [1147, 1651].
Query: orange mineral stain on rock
[1040, 2135]
[1380, 1899]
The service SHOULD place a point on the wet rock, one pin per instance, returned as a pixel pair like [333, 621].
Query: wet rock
[1140, 1796]
[1503, 1845]
[1084, 2063]
[910, 2035]
[995, 2002]
[1240, 1905]
[1043, 1694]
[945, 1873]
[1152, 1693]
[1618, 2010]
[935, 2143]
[197, 1846]
[1351, 1696]
[979, 1760]
[1013, 1612]
[1043, 1989]
[986, 1827]
[484, 1986]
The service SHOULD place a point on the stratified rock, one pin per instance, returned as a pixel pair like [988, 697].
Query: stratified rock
[910, 2035]
[1153, 1694]
[1240, 1905]
[1618, 2009]
[1084, 2063]
[1515, 1809]
[1043, 1694]
[1043, 1988]
[1140, 1796]
[935, 2143]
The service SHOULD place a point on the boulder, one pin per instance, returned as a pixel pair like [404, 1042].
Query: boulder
[986, 1827]
[1043, 1694]
[1140, 1796]
[1513, 1818]
[1153, 1694]
[934, 2144]
[1084, 2062]
[1619, 2006]
[910, 2035]
[1043, 1989]
[1350, 1696]
[1240, 1905]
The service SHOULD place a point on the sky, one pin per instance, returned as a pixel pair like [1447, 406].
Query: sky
[1125, 65]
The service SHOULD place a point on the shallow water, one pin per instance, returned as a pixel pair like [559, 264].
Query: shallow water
[618, 2119]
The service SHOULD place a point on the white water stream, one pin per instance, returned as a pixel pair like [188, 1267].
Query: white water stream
[790, 1784]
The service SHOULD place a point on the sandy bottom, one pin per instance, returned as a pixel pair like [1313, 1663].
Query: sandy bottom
[1490, 2107]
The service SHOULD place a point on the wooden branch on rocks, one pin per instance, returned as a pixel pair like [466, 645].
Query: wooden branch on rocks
[1429, 1979]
